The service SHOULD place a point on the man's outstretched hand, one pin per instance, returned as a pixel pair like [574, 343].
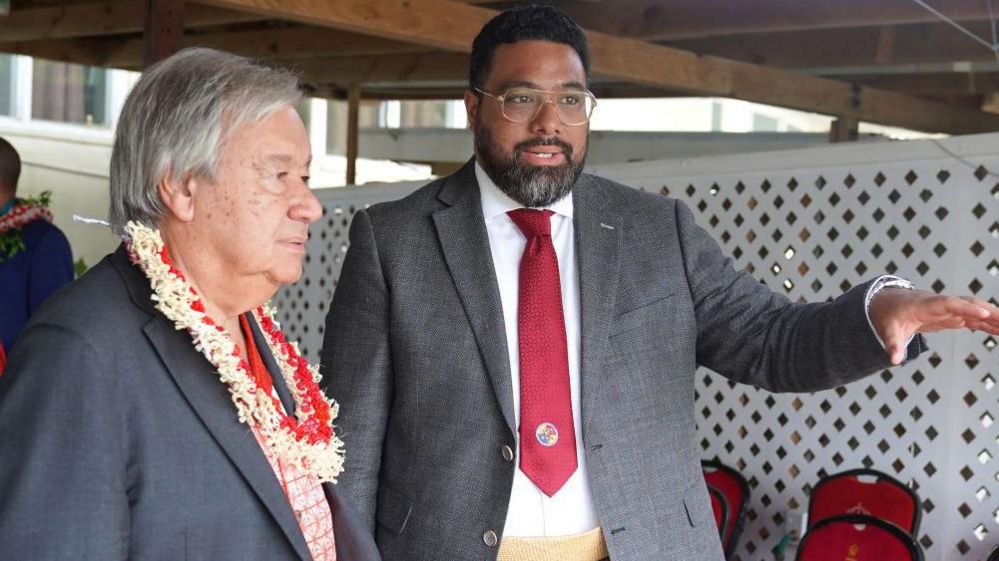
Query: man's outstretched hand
[898, 314]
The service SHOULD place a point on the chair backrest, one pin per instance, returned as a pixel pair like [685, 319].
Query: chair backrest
[857, 537]
[719, 505]
[865, 491]
[735, 489]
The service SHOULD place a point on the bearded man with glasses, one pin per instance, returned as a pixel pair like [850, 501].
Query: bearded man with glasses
[514, 345]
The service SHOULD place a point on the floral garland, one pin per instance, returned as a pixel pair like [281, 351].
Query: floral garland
[307, 442]
[24, 212]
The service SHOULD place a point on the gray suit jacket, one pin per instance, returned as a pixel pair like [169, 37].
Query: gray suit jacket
[415, 350]
[118, 441]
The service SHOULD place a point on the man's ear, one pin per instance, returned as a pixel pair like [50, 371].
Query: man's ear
[472, 103]
[177, 195]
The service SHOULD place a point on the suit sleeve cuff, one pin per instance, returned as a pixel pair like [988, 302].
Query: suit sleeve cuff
[879, 284]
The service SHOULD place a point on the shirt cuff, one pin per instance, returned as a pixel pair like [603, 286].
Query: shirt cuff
[880, 283]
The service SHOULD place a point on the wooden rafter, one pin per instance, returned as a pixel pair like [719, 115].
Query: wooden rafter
[101, 18]
[866, 46]
[452, 26]
[428, 67]
[655, 20]
[282, 45]
[935, 83]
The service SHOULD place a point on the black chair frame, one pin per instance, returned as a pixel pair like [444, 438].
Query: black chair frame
[716, 493]
[730, 542]
[915, 551]
[916, 512]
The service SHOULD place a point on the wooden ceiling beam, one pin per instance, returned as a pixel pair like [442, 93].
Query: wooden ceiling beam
[338, 58]
[285, 45]
[92, 52]
[450, 25]
[656, 20]
[425, 67]
[302, 43]
[869, 46]
[436, 23]
[101, 18]
[931, 84]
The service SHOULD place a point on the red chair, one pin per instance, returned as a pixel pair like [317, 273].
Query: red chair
[865, 491]
[735, 489]
[857, 537]
[3, 359]
[719, 505]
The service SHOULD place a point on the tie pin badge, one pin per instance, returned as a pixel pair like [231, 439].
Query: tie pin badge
[608, 226]
[547, 434]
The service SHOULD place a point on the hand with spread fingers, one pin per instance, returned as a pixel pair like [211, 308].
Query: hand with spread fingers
[898, 314]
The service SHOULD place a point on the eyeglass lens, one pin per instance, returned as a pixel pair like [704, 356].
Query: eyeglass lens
[521, 105]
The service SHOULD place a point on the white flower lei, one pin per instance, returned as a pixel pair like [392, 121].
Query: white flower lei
[320, 455]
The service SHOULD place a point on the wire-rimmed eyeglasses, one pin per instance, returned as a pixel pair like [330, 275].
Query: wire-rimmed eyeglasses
[521, 105]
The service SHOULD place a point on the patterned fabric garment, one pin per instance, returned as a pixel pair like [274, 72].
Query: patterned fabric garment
[309, 504]
[304, 492]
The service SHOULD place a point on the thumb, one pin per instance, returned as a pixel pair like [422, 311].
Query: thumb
[895, 346]
[896, 351]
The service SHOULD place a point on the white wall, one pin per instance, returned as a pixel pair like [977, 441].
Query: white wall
[72, 162]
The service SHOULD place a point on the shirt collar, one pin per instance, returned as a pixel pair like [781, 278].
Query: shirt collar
[495, 202]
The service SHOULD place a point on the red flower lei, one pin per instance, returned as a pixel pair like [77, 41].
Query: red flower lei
[306, 440]
[24, 212]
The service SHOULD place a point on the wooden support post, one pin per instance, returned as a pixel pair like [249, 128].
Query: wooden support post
[353, 114]
[844, 129]
[163, 29]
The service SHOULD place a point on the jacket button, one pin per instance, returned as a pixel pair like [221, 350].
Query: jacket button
[507, 453]
[489, 538]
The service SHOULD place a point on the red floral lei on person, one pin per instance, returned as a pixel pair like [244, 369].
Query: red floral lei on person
[306, 440]
[24, 212]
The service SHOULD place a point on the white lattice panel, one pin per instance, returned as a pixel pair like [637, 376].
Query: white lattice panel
[302, 307]
[811, 224]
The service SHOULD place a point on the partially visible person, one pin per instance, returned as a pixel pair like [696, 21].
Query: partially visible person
[35, 258]
[153, 409]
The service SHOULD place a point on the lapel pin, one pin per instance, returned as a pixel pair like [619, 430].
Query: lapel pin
[608, 226]
[547, 434]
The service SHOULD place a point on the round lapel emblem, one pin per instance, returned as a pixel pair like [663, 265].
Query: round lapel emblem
[547, 434]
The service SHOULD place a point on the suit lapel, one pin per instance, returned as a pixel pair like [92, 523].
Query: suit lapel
[465, 243]
[598, 239]
[210, 400]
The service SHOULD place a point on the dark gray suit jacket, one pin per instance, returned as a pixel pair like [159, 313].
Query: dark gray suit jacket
[118, 441]
[415, 350]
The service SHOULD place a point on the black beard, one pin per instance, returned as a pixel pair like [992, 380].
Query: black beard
[531, 186]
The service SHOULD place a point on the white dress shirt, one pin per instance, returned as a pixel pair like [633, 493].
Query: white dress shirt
[531, 512]
[571, 510]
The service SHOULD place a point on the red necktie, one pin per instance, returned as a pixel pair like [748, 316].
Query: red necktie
[547, 434]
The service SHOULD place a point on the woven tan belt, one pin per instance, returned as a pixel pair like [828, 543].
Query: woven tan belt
[589, 546]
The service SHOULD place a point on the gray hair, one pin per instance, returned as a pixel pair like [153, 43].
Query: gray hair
[177, 118]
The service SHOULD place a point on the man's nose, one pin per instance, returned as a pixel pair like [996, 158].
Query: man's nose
[547, 121]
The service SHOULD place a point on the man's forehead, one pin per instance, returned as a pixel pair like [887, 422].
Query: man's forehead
[540, 64]
[543, 85]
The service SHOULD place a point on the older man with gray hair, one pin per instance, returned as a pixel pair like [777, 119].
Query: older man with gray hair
[154, 410]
